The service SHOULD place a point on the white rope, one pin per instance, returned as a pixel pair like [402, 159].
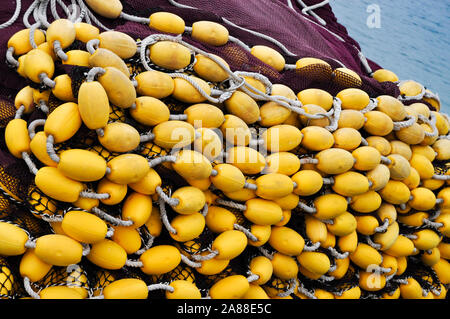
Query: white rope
[373, 103]
[92, 45]
[41, 12]
[410, 236]
[313, 247]
[432, 224]
[90, 17]
[252, 277]
[156, 161]
[210, 256]
[164, 218]
[336, 254]
[189, 262]
[289, 3]
[301, 289]
[405, 98]
[31, 166]
[30, 244]
[205, 210]
[133, 18]
[384, 227]
[19, 112]
[167, 199]
[29, 289]
[306, 208]
[32, 127]
[309, 160]
[385, 160]
[10, 57]
[236, 79]
[91, 195]
[28, 12]
[309, 10]
[262, 36]
[441, 177]
[43, 106]
[14, 16]
[134, 263]
[178, 117]
[51, 150]
[231, 204]
[160, 287]
[410, 120]
[372, 244]
[43, 77]
[33, 29]
[431, 123]
[337, 107]
[147, 245]
[94, 72]
[247, 232]
[364, 62]
[290, 290]
[326, 278]
[146, 137]
[116, 221]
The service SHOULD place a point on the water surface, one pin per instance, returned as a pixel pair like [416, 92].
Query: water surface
[413, 38]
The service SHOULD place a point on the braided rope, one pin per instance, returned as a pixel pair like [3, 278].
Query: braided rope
[164, 218]
[29, 289]
[156, 161]
[291, 288]
[19, 112]
[210, 256]
[43, 77]
[32, 127]
[88, 194]
[306, 208]
[189, 262]
[161, 287]
[247, 232]
[167, 199]
[92, 45]
[431, 123]
[313, 247]
[133, 18]
[231, 204]
[405, 98]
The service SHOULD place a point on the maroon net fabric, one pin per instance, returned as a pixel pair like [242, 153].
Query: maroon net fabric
[299, 33]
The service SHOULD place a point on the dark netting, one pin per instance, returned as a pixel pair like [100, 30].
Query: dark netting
[9, 278]
[73, 276]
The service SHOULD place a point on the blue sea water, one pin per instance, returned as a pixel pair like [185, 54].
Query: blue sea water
[413, 38]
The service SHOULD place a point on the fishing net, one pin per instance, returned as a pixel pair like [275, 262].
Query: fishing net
[291, 30]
